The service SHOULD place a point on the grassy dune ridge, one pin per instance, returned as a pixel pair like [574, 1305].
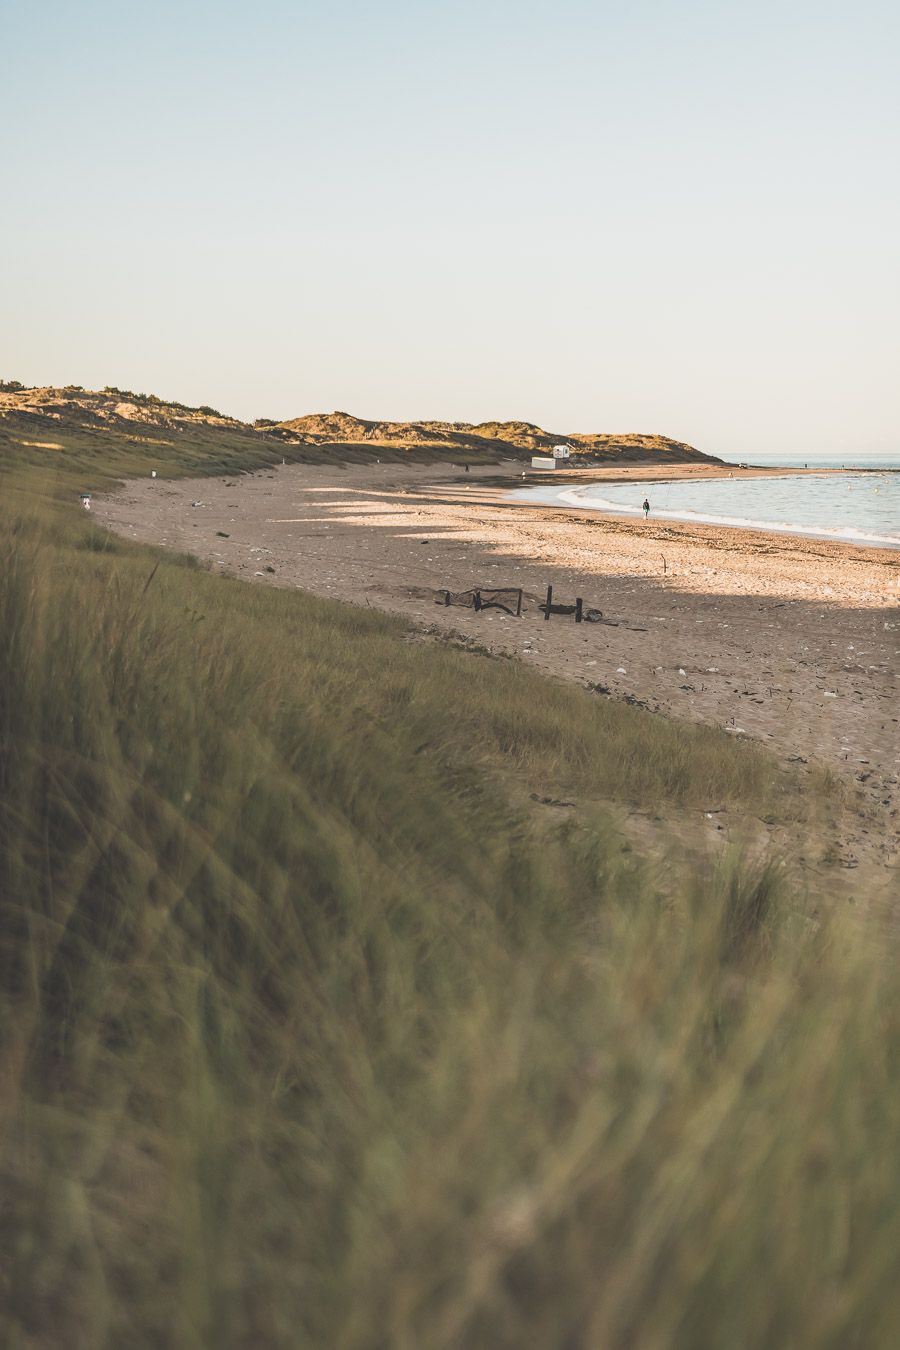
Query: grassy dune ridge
[315, 1034]
[120, 432]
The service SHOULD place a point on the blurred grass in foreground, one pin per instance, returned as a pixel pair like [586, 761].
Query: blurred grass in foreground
[313, 1037]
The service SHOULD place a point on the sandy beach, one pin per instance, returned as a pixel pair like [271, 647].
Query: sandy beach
[792, 641]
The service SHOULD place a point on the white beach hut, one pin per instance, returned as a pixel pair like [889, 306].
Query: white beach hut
[555, 460]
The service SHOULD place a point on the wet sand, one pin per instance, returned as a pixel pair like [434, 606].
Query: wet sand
[789, 640]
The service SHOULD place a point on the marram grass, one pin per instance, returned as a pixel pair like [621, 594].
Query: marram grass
[312, 1036]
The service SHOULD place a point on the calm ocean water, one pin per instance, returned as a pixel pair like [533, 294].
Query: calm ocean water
[862, 508]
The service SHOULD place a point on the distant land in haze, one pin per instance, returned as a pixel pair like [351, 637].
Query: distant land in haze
[50, 420]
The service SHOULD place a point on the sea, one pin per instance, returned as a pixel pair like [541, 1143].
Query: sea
[860, 506]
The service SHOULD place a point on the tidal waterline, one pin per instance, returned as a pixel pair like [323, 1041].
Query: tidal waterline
[860, 508]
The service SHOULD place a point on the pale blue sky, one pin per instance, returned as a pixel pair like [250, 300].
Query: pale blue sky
[647, 216]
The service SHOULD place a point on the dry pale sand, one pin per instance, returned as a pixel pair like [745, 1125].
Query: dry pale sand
[793, 642]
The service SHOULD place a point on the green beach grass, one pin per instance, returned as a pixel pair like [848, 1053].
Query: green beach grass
[315, 1033]
[45, 456]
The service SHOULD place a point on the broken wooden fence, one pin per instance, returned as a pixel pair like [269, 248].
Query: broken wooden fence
[582, 615]
[507, 598]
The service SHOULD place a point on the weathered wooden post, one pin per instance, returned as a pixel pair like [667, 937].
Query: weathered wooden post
[578, 614]
[519, 606]
[549, 602]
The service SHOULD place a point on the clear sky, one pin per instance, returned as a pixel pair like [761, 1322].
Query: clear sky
[650, 215]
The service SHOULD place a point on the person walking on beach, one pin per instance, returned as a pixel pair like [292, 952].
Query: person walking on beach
[646, 508]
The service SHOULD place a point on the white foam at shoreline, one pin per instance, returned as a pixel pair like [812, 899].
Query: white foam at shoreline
[580, 497]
